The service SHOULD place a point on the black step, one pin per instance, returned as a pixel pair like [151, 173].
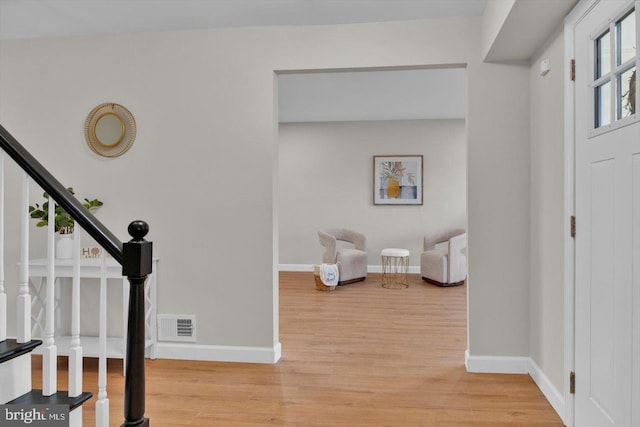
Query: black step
[35, 397]
[10, 349]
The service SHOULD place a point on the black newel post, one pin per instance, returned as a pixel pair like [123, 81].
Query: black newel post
[136, 266]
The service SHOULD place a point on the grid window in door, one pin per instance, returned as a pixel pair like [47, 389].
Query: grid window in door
[615, 64]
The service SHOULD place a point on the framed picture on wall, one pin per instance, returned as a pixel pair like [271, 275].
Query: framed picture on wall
[397, 180]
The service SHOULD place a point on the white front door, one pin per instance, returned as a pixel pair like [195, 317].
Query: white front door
[607, 243]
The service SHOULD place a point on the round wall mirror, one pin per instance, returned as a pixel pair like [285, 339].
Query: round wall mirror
[110, 130]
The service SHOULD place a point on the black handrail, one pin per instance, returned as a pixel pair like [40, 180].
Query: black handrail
[61, 195]
[134, 256]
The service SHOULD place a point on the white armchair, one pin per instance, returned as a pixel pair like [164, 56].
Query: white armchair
[444, 260]
[352, 262]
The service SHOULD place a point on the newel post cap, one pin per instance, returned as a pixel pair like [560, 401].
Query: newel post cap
[137, 230]
[137, 252]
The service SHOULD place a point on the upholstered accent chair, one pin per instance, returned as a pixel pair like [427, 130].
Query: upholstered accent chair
[352, 261]
[444, 260]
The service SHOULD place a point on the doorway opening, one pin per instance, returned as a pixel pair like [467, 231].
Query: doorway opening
[331, 124]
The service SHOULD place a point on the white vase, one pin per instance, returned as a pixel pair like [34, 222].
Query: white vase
[64, 246]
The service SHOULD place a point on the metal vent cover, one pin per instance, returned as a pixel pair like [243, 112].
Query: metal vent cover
[176, 327]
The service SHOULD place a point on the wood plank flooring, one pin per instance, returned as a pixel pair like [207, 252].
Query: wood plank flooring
[358, 356]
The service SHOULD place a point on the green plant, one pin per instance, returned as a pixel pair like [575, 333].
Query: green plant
[396, 171]
[64, 222]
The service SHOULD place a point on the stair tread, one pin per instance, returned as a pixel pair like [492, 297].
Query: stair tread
[10, 348]
[35, 397]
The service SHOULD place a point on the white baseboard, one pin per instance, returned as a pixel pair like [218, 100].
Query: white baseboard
[553, 395]
[296, 267]
[413, 269]
[219, 353]
[497, 364]
[518, 365]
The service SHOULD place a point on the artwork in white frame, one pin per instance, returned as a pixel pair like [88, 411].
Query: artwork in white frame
[397, 180]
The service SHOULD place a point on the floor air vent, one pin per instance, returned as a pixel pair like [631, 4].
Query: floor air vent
[173, 327]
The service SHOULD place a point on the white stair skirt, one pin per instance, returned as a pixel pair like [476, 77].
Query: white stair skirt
[15, 377]
[75, 417]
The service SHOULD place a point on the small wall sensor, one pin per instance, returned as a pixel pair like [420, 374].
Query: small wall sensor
[545, 67]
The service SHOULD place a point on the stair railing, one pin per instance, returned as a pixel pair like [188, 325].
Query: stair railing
[135, 257]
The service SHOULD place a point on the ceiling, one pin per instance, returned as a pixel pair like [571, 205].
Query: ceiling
[369, 95]
[62, 18]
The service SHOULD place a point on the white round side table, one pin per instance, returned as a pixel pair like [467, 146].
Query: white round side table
[395, 263]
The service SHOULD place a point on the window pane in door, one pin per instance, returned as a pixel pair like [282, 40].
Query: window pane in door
[603, 105]
[626, 38]
[603, 52]
[626, 96]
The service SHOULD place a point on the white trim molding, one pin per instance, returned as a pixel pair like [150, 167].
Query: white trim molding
[296, 267]
[553, 395]
[496, 364]
[219, 353]
[571, 20]
[518, 365]
[413, 269]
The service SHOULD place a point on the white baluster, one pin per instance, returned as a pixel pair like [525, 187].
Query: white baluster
[23, 333]
[75, 353]
[3, 295]
[49, 351]
[102, 405]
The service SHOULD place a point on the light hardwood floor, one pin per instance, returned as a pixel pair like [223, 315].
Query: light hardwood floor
[358, 356]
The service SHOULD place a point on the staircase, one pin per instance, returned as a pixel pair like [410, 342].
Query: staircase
[15, 349]
[15, 371]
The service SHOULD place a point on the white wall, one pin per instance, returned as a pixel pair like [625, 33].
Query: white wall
[196, 171]
[498, 210]
[326, 181]
[203, 168]
[547, 195]
[400, 94]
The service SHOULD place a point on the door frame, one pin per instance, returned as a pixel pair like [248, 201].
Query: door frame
[582, 8]
[571, 20]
